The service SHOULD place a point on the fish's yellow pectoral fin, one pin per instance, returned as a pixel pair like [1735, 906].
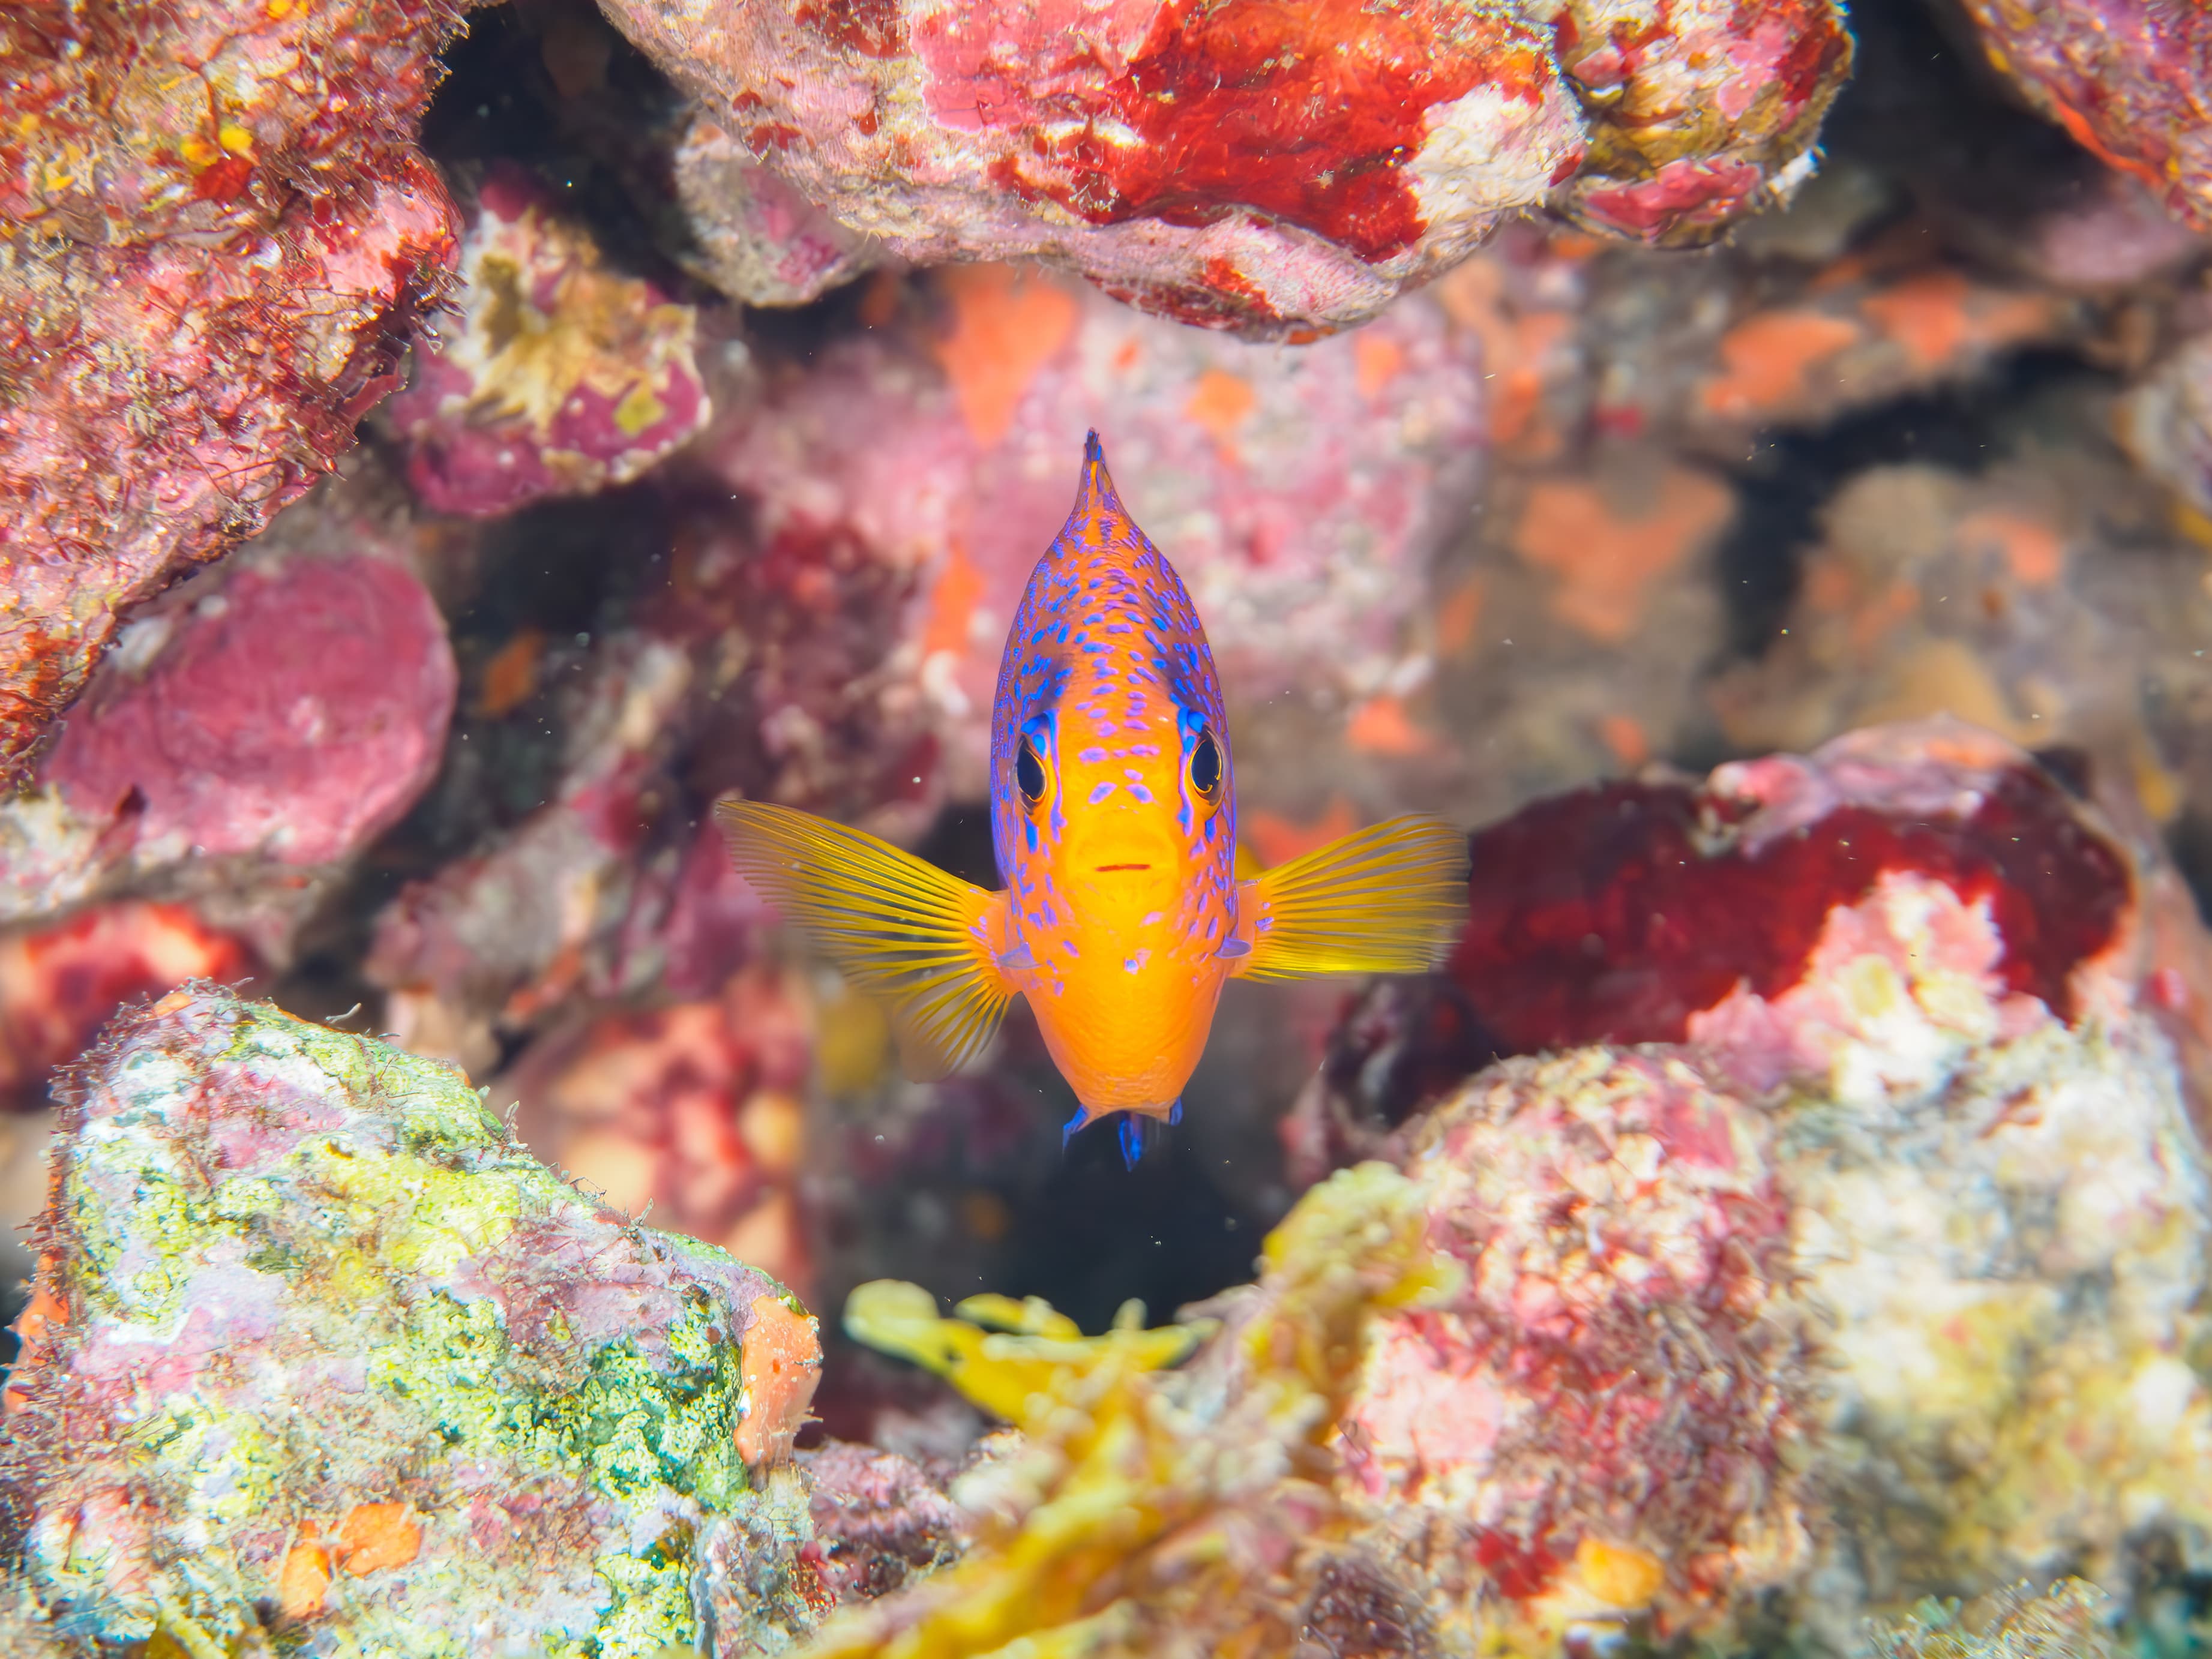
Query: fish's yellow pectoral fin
[897, 927]
[1384, 900]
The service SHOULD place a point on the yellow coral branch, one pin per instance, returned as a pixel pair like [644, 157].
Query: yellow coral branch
[1126, 1457]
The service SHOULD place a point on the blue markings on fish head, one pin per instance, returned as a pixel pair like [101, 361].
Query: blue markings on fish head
[1110, 745]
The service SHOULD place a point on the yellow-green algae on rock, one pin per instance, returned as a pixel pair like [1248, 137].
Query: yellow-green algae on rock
[319, 1355]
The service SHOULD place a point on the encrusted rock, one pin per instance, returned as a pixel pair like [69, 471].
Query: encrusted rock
[318, 1349]
[211, 272]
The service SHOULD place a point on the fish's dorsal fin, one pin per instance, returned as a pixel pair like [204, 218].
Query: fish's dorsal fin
[1388, 899]
[898, 928]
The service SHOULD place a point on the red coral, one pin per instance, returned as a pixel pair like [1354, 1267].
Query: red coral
[1615, 913]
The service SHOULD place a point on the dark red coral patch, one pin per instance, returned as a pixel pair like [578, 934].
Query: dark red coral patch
[1615, 913]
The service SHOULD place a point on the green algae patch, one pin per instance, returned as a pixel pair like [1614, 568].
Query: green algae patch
[340, 1363]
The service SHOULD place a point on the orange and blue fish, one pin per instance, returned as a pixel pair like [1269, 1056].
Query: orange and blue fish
[1113, 817]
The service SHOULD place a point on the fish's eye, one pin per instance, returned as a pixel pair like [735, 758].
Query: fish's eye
[1029, 773]
[1206, 766]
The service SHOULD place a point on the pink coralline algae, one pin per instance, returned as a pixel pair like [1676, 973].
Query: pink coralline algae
[1305, 535]
[560, 376]
[1258, 167]
[291, 713]
[1733, 1298]
[755, 237]
[2131, 79]
[256, 728]
[316, 1348]
[1607, 1420]
[210, 274]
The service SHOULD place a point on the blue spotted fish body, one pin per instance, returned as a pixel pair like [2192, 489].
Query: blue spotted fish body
[1114, 818]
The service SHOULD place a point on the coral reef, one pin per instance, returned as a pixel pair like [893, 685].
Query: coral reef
[2166, 422]
[2033, 599]
[1922, 1093]
[1306, 537]
[753, 236]
[695, 1109]
[316, 1345]
[1667, 1338]
[254, 729]
[1789, 1204]
[60, 983]
[1609, 1420]
[495, 938]
[1254, 168]
[2130, 80]
[2065, 1622]
[211, 272]
[1205, 1480]
[560, 376]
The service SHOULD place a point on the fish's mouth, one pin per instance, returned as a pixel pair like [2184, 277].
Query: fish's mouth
[1107, 869]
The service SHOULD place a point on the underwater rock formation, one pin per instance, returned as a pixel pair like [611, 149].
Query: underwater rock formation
[2066, 1622]
[559, 377]
[1304, 533]
[255, 730]
[495, 938]
[752, 235]
[1920, 1079]
[695, 1109]
[316, 1345]
[1678, 1338]
[211, 274]
[250, 731]
[2044, 597]
[2166, 422]
[1699, 114]
[1606, 1420]
[1256, 167]
[2131, 79]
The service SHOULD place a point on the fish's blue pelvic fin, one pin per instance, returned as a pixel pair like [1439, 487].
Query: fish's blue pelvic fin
[1067, 1129]
[1175, 1111]
[1132, 1138]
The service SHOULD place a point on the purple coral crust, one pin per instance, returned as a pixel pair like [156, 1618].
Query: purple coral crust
[560, 379]
[213, 272]
[2131, 79]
